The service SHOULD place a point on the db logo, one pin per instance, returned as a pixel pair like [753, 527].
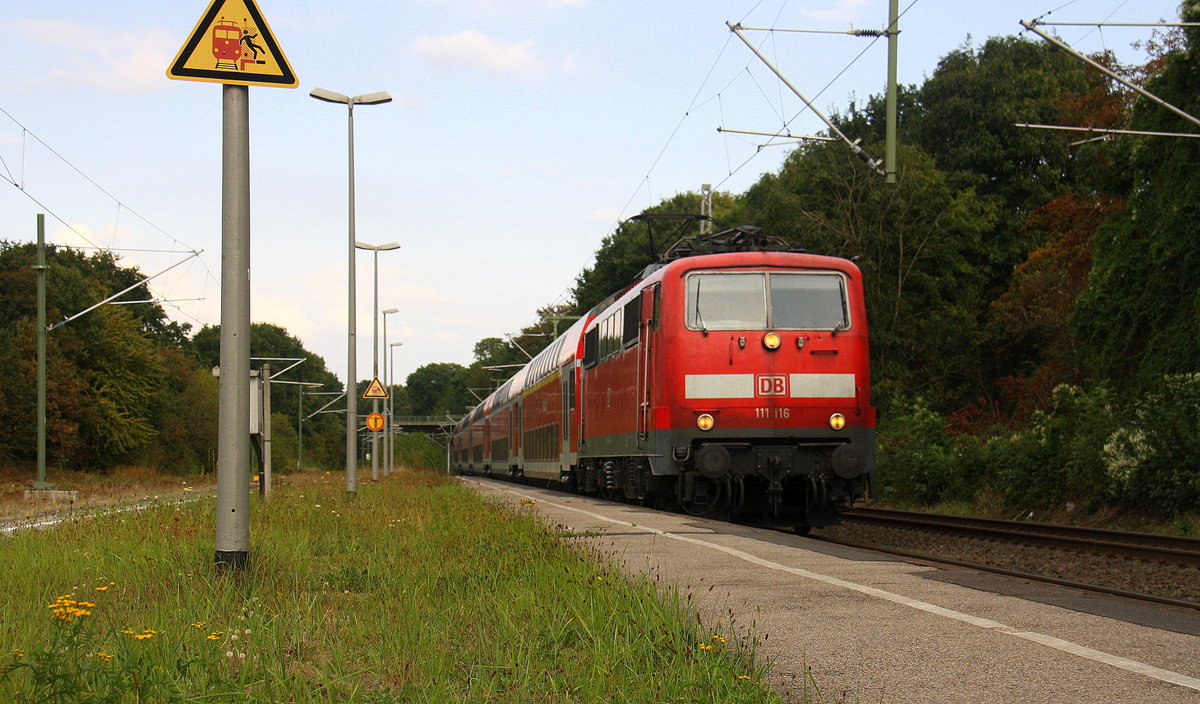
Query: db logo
[771, 385]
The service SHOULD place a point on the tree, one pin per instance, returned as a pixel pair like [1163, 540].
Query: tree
[1139, 316]
[1030, 323]
[968, 110]
[104, 369]
[267, 340]
[913, 241]
[636, 244]
[438, 389]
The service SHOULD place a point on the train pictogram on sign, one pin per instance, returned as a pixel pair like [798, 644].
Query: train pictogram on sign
[375, 390]
[233, 45]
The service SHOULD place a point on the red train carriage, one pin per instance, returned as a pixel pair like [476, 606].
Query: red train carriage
[733, 384]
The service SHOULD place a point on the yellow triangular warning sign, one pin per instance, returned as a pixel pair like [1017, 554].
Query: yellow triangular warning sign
[375, 390]
[233, 44]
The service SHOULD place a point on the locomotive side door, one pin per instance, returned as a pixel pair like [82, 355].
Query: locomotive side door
[648, 326]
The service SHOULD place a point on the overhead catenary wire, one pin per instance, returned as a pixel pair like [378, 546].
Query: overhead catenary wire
[1115, 24]
[1032, 27]
[20, 184]
[695, 103]
[874, 38]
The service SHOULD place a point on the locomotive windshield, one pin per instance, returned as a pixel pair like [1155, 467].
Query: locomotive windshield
[768, 300]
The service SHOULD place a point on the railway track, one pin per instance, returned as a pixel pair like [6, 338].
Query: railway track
[1175, 557]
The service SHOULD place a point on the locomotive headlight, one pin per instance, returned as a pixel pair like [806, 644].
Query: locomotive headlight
[705, 422]
[837, 421]
[772, 340]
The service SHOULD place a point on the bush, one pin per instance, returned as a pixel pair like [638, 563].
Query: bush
[917, 459]
[1153, 461]
[418, 451]
[1057, 456]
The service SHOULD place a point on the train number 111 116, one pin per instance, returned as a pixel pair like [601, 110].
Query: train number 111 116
[772, 413]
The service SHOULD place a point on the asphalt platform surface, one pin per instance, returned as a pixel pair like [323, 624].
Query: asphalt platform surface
[871, 627]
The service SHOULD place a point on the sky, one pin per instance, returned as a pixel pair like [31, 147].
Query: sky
[521, 132]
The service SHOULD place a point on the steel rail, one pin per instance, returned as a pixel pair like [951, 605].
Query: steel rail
[1168, 549]
[1033, 576]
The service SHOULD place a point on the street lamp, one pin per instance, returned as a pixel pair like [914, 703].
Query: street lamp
[391, 459]
[375, 348]
[387, 382]
[351, 392]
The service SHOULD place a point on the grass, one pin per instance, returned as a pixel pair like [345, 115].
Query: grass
[415, 591]
[122, 485]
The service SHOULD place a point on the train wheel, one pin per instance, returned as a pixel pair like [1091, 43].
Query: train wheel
[701, 496]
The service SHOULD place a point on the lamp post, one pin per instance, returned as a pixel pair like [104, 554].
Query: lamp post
[391, 458]
[376, 248]
[387, 406]
[351, 383]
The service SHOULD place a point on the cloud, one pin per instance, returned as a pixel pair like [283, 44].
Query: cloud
[476, 51]
[122, 62]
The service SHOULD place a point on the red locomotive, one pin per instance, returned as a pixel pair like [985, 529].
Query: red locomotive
[731, 380]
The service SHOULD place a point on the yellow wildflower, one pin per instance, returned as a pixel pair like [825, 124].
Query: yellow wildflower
[104, 656]
[719, 639]
[743, 677]
[17, 653]
[705, 646]
[67, 609]
[199, 624]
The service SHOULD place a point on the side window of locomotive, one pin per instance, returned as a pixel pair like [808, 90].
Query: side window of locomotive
[808, 301]
[591, 344]
[605, 338]
[633, 315]
[610, 335]
[721, 301]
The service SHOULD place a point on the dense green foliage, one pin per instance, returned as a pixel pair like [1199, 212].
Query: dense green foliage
[116, 378]
[324, 434]
[1147, 252]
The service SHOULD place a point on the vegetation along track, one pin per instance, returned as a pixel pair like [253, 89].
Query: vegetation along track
[1161, 568]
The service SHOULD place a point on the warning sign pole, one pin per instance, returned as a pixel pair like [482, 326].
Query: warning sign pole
[232, 45]
[233, 442]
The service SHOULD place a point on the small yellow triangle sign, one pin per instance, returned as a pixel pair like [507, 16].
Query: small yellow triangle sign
[233, 44]
[375, 390]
